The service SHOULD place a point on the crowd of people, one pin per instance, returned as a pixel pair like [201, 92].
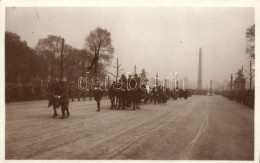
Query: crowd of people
[245, 97]
[26, 91]
[60, 92]
[39, 90]
[133, 92]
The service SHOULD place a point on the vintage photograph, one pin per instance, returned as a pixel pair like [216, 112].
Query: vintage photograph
[129, 83]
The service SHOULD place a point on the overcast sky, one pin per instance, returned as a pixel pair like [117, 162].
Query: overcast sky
[161, 40]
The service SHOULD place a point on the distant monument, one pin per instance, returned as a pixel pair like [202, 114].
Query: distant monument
[200, 71]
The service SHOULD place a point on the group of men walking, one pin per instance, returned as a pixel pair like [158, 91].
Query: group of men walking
[59, 96]
[59, 93]
[130, 93]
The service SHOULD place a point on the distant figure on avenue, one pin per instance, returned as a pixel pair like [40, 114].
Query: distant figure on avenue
[136, 92]
[155, 94]
[64, 98]
[54, 96]
[98, 94]
[123, 92]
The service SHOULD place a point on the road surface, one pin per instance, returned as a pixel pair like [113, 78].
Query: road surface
[199, 128]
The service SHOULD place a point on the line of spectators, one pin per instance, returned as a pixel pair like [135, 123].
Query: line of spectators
[245, 97]
[39, 90]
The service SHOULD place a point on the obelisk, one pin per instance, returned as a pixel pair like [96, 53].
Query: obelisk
[200, 70]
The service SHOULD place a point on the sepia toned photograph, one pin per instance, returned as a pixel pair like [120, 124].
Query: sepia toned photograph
[129, 83]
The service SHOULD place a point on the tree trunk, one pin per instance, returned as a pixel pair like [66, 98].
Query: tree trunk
[61, 59]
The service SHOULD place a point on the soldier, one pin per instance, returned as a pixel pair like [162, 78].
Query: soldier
[124, 96]
[186, 94]
[122, 99]
[78, 93]
[98, 94]
[128, 93]
[64, 98]
[159, 94]
[155, 94]
[72, 92]
[151, 94]
[137, 79]
[54, 93]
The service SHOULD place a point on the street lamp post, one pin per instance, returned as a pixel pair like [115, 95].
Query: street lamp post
[175, 77]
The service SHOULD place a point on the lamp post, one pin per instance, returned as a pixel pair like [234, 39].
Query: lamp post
[175, 77]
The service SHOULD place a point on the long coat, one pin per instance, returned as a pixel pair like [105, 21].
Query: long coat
[64, 93]
[54, 92]
[98, 94]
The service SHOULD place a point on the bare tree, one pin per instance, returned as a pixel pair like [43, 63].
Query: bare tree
[118, 70]
[250, 37]
[99, 42]
[58, 52]
[250, 51]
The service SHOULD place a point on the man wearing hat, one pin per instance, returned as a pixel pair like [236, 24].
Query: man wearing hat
[98, 94]
[155, 94]
[54, 95]
[64, 99]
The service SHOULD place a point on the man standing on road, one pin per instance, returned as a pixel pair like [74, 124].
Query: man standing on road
[64, 99]
[54, 93]
[155, 94]
[98, 94]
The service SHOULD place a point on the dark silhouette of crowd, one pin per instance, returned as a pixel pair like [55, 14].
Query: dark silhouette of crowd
[26, 91]
[245, 97]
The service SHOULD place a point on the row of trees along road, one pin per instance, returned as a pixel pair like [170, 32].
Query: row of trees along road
[250, 51]
[52, 58]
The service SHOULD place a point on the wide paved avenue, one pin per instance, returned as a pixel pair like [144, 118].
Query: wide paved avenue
[199, 128]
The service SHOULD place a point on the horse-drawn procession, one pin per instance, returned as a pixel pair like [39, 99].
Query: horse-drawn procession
[127, 92]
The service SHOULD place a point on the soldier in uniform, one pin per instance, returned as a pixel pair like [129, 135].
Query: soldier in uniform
[54, 94]
[98, 94]
[123, 93]
[64, 98]
[129, 101]
[155, 94]
[137, 91]
[78, 93]
[72, 92]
